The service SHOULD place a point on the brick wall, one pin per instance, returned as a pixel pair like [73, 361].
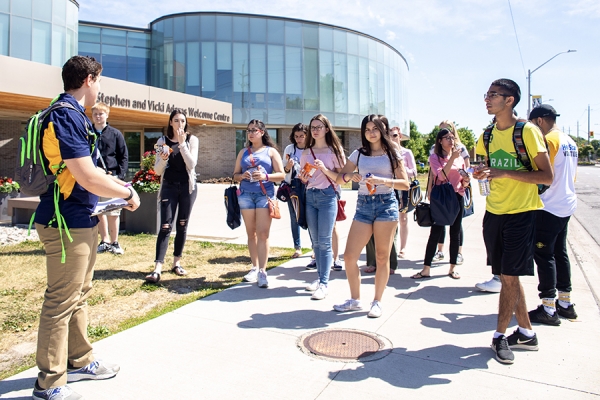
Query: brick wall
[10, 132]
[216, 155]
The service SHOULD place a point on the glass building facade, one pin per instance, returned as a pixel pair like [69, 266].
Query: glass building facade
[43, 31]
[279, 70]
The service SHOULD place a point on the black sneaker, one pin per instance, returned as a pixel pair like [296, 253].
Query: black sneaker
[312, 264]
[520, 341]
[566, 312]
[540, 316]
[103, 247]
[116, 249]
[503, 353]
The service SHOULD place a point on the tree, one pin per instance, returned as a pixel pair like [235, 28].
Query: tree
[596, 144]
[467, 137]
[417, 144]
[586, 151]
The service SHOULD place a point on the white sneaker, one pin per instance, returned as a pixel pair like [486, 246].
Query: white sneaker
[459, 259]
[262, 280]
[438, 256]
[251, 276]
[493, 285]
[375, 310]
[348, 305]
[314, 285]
[320, 293]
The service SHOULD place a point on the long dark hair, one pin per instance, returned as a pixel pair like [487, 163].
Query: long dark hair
[170, 133]
[299, 127]
[331, 138]
[380, 122]
[266, 139]
[438, 149]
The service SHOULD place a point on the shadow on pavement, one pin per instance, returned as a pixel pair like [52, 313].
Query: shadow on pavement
[459, 324]
[299, 319]
[15, 385]
[439, 295]
[416, 369]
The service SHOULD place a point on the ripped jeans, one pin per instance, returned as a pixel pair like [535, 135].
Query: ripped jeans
[174, 195]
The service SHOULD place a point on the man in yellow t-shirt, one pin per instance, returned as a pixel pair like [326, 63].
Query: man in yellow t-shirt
[508, 224]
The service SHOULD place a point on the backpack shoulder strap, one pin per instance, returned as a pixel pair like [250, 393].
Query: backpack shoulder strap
[487, 136]
[519, 144]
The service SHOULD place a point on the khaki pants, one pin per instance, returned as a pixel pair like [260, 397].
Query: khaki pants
[62, 334]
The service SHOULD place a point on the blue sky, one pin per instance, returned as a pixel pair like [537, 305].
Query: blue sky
[455, 49]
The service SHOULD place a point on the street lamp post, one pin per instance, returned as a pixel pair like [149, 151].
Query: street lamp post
[529, 72]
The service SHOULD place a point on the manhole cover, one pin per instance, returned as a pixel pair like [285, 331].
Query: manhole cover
[345, 345]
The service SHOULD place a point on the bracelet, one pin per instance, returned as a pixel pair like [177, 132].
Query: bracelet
[128, 184]
[286, 171]
[130, 193]
[344, 178]
[267, 175]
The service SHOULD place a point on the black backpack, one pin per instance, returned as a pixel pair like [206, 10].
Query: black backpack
[32, 175]
[520, 148]
[234, 215]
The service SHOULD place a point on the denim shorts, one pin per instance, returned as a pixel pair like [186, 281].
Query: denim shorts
[252, 200]
[379, 207]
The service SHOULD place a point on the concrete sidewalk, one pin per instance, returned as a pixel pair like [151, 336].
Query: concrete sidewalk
[242, 343]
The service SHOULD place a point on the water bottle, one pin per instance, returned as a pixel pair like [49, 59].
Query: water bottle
[484, 186]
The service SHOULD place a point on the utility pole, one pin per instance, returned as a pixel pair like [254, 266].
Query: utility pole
[589, 124]
[577, 133]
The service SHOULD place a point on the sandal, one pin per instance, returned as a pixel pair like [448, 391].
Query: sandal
[177, 270]
[370, 269]
[419, 275]
[297, 253]
[153, 277]
[402, 254]
[454, 275]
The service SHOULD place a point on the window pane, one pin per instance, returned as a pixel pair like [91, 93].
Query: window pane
[311, 79]
[4, 18]
[157, 37]
[373, 87]
[326, 80]
[310, 35]
[137, 65]
[293, 33]
[207, 27]
[380, 53]
[275, 31]
[192, 28]
[114, 36]
[179, 67]
[363, 73]
[58, 45]
[71, 43]
[90, 49]
[275, 77]
[208, 69]
[258, 30]
[72, 16]
[381, 92]
[59, 12]
[325, 38]
[353, 85]
[363, 46]
[224, 26]
[89, 34]
[340, 85]
[168, 28]
[352, 43]
[42, 38]
[4, 6]
[293, 77]
[372, 49]
[21, 8]
[42, 9]
[240, 29]
[258, 69]
[138, 39]
[167, 56]
[20, 38]
[292, 117]
[224, 78]
[240, 75]
[339, 40]
[193, 67]
[179, 29]
[114, 61]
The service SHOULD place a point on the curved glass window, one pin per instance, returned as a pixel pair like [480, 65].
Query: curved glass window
[279, 70]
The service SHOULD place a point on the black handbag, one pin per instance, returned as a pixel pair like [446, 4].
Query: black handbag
[468, 209]
[298, 200]
[234, 215]
[444, 204]
[423, 211]
[411, 197]
[284, 192]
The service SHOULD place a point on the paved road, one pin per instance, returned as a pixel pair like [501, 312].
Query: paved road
[588, 196]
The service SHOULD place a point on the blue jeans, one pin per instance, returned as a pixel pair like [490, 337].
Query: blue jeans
[321, 210]
[295, 226]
